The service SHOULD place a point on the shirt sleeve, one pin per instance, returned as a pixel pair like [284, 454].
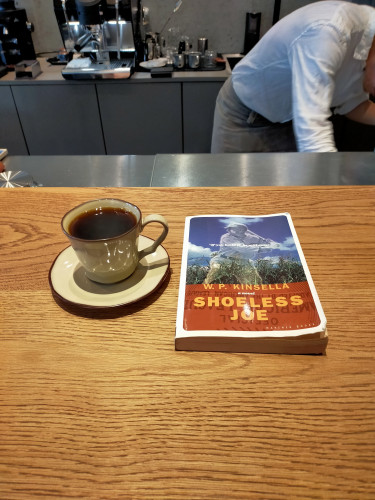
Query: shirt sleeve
[315, 57]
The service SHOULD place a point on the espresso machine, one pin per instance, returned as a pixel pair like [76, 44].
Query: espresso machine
[15, 35]
[102, 32]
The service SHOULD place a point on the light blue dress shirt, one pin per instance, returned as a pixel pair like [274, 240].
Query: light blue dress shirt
[308, 63]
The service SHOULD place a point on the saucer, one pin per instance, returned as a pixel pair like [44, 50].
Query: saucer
[154, 63]
[68, 280]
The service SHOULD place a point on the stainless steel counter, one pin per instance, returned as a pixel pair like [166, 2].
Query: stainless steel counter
[69, 171]
[264, 169]
[253, 169]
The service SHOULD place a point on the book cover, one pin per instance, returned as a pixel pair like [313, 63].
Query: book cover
[245, 286]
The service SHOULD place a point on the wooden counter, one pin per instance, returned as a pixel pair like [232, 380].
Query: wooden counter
[103, 407]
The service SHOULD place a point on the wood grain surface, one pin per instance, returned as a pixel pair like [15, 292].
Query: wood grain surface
[103, 407]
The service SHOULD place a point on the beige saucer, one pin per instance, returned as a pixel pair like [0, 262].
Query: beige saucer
[69, 282]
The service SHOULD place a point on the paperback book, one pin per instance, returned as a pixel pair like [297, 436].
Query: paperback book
[245, 287]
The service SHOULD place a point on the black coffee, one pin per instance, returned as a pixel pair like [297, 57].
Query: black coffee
[105, 222]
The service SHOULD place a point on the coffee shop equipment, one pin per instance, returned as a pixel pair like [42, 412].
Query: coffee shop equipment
[15, 35]
[195, 59]
[107, 33]
[16, 178]
[252, 30]
[152, 46]
[209, 59]
[179, 60]
[27, 69]
[202, 45]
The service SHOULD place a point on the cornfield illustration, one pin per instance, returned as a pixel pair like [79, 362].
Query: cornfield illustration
[285, 270]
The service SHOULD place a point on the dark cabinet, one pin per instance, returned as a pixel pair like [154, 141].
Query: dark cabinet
[141, 118]
[199, 100]
[60, 119]
[11, 135]
[131, 118]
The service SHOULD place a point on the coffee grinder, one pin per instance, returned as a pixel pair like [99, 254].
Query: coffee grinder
[15, 35]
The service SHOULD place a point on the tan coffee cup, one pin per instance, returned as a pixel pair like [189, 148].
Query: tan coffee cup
[104, 234]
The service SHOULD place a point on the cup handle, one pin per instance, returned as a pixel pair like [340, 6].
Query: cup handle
[161, 220]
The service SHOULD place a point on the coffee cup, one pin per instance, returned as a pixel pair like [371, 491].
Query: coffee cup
[194, 60]
[178, 60]
[104, 234]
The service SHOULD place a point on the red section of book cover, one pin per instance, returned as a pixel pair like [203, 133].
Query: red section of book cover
[236, 307]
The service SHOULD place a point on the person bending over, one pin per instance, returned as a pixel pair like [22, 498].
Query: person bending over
[317, 61]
